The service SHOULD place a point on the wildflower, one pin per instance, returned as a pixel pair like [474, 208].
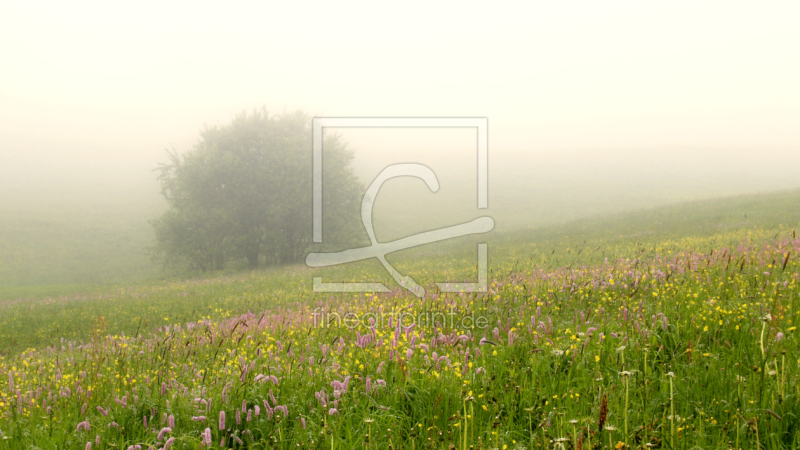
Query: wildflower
[221, 420]
[283, 409]
[163, 432]
[206, 435]
[779, 336]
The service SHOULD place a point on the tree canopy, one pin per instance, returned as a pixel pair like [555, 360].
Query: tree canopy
[242, 194]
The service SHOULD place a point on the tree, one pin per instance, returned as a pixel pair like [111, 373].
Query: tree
[243, 194]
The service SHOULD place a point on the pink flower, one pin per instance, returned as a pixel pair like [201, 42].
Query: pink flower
[163, 432]
[284, 409]
[206, 435]
[221, 420]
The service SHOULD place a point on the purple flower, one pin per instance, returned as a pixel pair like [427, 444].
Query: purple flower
[779, 336]
[221, 420]
[284, 409]
[163, 432]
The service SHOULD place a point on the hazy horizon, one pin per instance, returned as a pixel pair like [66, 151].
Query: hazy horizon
[592, 108]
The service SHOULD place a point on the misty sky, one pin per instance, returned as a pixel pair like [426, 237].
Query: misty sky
[92, 93]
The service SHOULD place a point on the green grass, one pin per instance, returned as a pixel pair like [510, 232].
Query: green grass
[40, 315]
[689, 356]
[76, 237]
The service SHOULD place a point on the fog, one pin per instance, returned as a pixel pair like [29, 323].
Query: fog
[593, 108]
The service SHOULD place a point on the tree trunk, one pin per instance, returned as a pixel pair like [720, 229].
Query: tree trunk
[252, 256]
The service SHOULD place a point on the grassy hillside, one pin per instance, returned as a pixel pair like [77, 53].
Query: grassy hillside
[47, 314]
[76, 237]
[667, 328]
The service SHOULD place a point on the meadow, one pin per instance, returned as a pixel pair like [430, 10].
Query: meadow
[668, 328]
